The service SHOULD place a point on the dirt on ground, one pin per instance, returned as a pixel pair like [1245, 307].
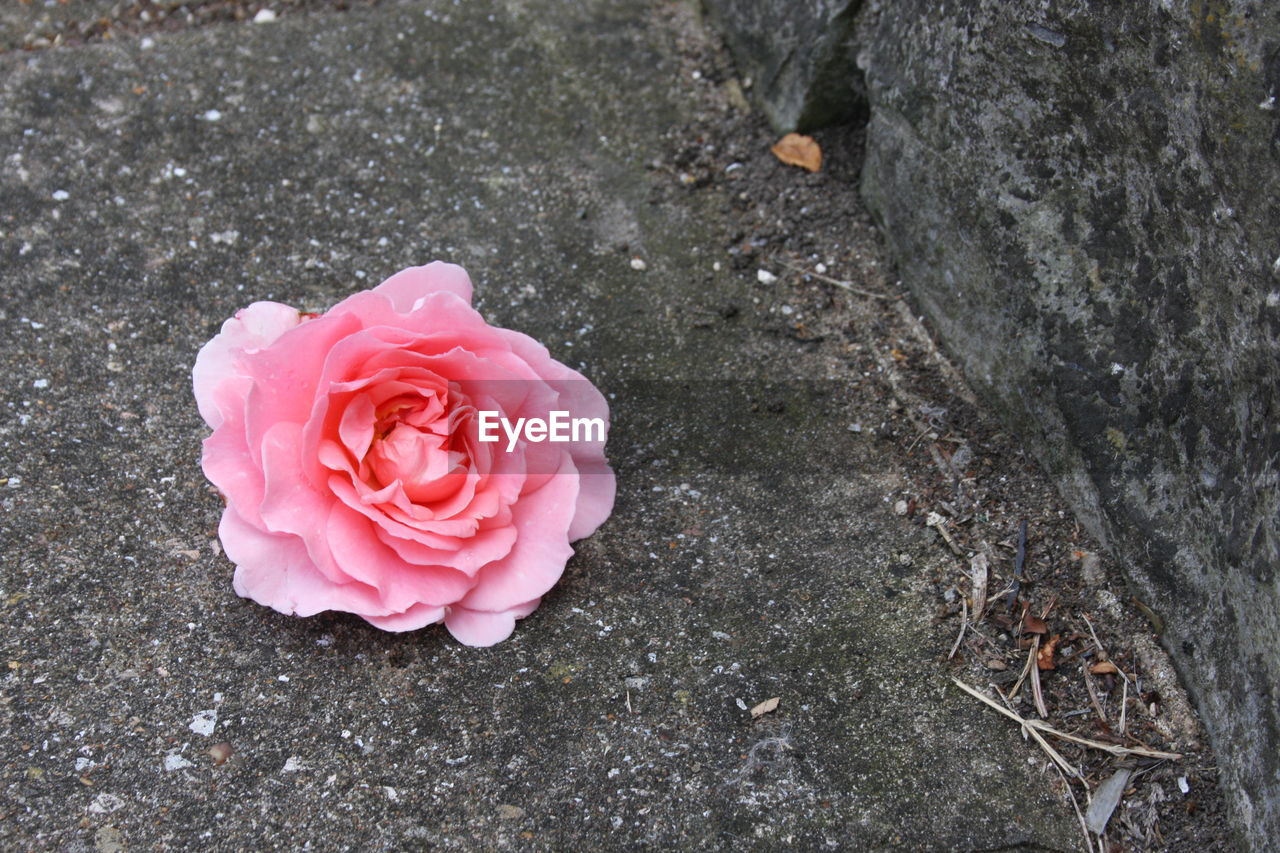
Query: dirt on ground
[40, 24]
[1053, 628]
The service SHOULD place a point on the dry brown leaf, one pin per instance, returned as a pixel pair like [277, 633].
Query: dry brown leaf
[796, 150]
[1031, 624]
[764, 707]
[1105, 667]
[1044, 657]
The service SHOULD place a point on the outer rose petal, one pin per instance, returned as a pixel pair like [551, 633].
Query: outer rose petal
[417, 616]
[597, 488]
[251, 329]
[542, 546]
[407, 291]
[275, 570]
[408, 288]
[481, 628]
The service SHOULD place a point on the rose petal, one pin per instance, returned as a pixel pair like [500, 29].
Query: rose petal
[290, 504]
[276, 570]
[467, 555]
[229, 465]
[417, 616]
[407, 289]
[356, 426]
[361, 555]
[537, 559]
[285, 376]
[597, 489]
[481, 628]
[251, 329]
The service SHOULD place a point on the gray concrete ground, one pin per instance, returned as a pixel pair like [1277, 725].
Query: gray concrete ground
[147, 193]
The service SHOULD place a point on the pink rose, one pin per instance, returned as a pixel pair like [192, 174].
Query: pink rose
[350, 450]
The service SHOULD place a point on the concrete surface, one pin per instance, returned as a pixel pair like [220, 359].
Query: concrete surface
[147, 194]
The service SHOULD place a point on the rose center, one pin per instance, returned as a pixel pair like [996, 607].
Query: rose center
[413, 443]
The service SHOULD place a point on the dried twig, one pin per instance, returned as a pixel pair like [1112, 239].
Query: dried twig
[1035, 678]
[1124, 702]
[938, 523]
[1093, 693]
[1102, 651]
[843, 285]
[1026, 670]
[978, 573]
[964, 623]
[1039, 725]
[1053, 754]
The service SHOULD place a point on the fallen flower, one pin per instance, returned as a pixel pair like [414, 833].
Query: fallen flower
[346, 446]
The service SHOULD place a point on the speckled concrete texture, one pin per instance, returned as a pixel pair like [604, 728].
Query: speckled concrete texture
[148, 192]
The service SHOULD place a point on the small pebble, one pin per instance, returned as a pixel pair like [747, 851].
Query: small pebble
[264, 16]
[212, 115]
[220, 752]
[765, 277]
[900, 507]
[638, 265]
[61, 195]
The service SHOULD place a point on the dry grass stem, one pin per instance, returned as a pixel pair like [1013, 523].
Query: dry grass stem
[1124, 703]
[1038, 725]
[1031, 664]
[964, 623]
[1093, 693]
[1035, 680]
[1084, 827]
[979, 571]
[1102, 651]
[843, 285]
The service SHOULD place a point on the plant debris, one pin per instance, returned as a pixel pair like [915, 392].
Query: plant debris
[796, 150]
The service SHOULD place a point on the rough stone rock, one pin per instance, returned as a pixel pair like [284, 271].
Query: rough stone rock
[796, 57]
[1086, 202]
